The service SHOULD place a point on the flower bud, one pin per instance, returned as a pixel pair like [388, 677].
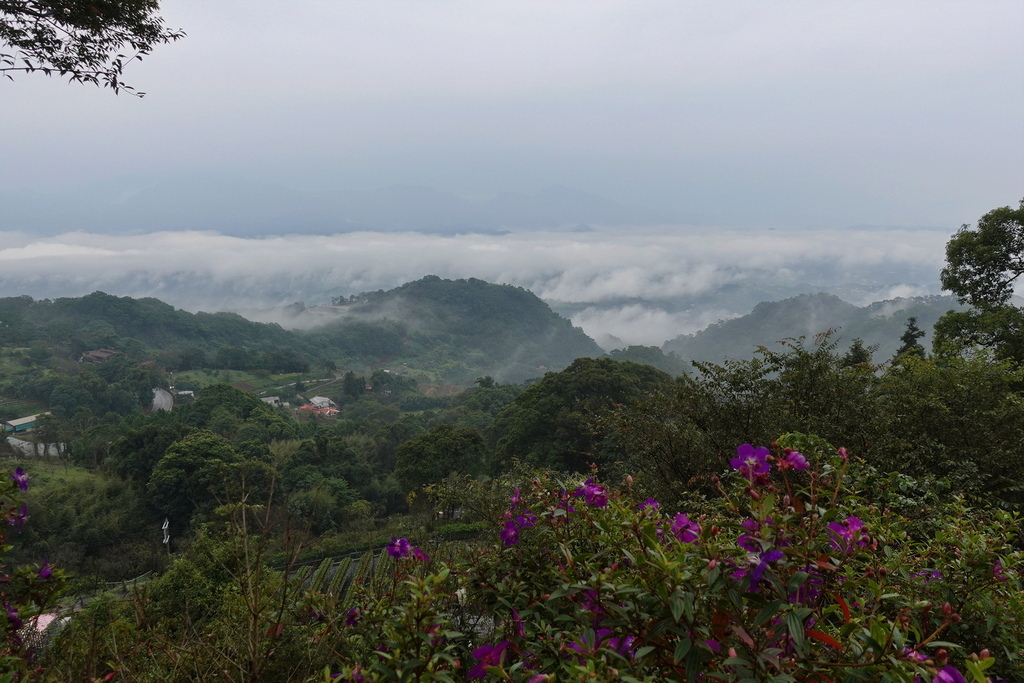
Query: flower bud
[985, 654]
[947, 609]
[629, 480]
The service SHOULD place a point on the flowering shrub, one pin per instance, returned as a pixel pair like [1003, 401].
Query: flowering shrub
[791, 574]
[24, 594]
[795, 579]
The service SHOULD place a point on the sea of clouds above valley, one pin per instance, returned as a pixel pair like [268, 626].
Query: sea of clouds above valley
[642, 285]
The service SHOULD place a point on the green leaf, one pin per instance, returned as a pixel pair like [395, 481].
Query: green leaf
[767, 612]
[682, 647]
[676, 605]
[795, 626]
[644, 651]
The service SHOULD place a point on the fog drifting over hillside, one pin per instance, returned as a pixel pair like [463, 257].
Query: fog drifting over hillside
[640, 285]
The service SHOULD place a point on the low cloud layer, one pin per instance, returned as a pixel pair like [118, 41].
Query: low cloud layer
[640, 285]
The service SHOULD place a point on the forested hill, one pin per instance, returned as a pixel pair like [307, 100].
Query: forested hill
[880, 323]
[506, 330]
[449, 330]
[103, 320]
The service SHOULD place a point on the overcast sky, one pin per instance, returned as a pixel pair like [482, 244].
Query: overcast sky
[776, 132]
[746, 114]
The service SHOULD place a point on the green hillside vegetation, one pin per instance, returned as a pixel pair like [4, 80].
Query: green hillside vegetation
[447, 330]
[878, 325]
[458, 328]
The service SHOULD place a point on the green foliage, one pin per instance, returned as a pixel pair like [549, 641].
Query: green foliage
[651, 355]
[91, 525]
[439, 452]
[221, 402]
[550, 424]
[83, 41]
[191, 473]
[458, 330]
[793, 577]
[26, 592]
[910, 344]
[960, 419]
[137, 451]
[878, 325]
[983, 263]
[982, 266]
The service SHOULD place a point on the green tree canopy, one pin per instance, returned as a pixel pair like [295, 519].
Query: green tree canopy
[442, 451]
[551, 424]
[910, 344]
[982, 267]
[81, 39]
[191, 472]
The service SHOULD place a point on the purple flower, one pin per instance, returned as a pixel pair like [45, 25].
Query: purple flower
[997, 571]
[760, 563]
[749, 541]
[683, 529]
[847, 534]
[765, 558]
[593, 494]
[353, 616]
[795, 460]
[13, 618]
[18, 519]
[624, 646]
[487, 655]
[751, 462]
[20, 478]
[399, 548]
[46, 571]
[418, 554]
[510, 533]
[948, 674]
[650, 503]
[927, 575]
[517, 622]
[527, 519]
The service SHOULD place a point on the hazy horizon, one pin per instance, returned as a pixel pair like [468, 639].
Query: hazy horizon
[642, 285]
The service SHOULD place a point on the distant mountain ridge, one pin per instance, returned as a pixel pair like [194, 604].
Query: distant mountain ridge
[235, 206]
[880, 323]
[454, 330]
